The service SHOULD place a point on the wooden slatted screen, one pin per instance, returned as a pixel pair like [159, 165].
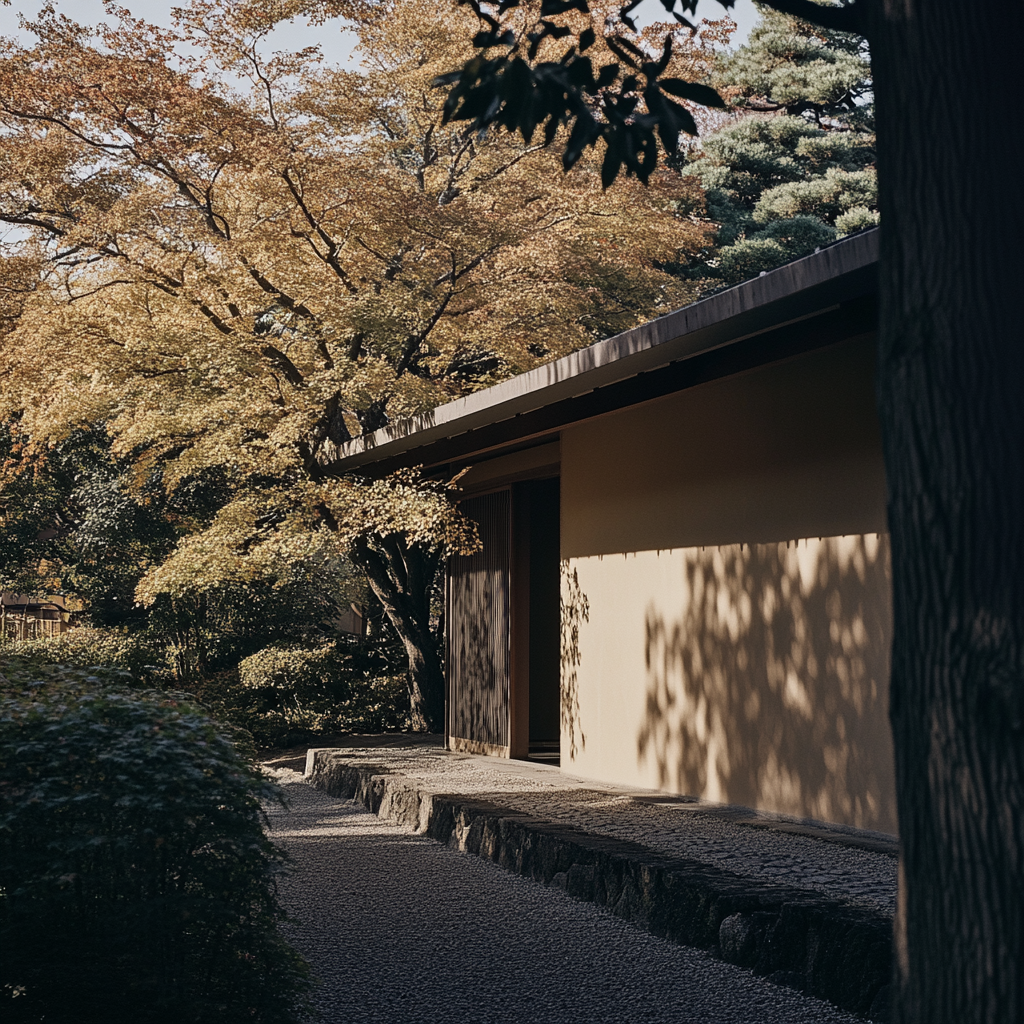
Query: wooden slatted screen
[478, 633]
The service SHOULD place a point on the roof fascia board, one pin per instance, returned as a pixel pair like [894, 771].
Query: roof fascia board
[855, 318]
[790, 292]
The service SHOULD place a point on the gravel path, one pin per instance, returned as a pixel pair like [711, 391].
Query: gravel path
[400, 929]
[858, 877]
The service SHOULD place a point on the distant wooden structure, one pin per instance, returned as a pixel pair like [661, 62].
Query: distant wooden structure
[30, 616]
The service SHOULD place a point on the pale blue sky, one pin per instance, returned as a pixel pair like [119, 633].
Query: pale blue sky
[335, 43]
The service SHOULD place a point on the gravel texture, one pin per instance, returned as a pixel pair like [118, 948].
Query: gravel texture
[691, 830]
[400, 929]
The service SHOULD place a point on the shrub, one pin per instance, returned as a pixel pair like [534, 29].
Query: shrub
[856, 219]
[93, 646]
[282, 694]
[824, 198]
[290, 691]
[775, 244]
[137, 881]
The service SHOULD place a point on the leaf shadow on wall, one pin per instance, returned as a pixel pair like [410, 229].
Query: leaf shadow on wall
[770, 689]
[478, 657]
[574, 611]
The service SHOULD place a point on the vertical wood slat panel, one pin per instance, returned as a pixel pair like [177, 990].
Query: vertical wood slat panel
[478, 651]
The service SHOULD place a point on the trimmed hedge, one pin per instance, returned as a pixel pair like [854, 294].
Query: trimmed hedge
[137, 881]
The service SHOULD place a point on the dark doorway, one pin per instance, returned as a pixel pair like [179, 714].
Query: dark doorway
[503, 633]
[545, 633]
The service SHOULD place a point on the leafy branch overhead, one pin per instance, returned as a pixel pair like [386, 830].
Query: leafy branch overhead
[622, 97]
[609, 84]
[404, 503]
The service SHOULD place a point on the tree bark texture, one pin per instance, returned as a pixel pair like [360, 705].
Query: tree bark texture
[951, 374]
[401, 575]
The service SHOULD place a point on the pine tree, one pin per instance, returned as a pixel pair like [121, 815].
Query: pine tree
[795, 169]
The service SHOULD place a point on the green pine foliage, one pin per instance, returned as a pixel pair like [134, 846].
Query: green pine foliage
[795, 169]
[137, 881]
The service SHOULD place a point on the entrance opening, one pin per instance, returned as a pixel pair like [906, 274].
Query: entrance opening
[502, 634]
[545, 634]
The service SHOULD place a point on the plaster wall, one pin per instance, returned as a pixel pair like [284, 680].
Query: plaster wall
[726, 597]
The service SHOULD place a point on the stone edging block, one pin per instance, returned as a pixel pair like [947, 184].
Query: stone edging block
[827, 948]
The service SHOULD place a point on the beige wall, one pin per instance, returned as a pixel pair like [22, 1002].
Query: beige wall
[787, 451]
[727, 544]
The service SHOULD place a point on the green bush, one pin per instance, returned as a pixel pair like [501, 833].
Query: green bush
[283, 693]
[136, 880]
[856, 219]
[775, 244]
[92, 646]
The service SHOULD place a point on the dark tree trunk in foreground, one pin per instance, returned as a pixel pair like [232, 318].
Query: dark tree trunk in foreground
[951, 399]
[402, 576]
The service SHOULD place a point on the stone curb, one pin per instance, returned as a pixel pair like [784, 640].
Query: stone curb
[826, 948]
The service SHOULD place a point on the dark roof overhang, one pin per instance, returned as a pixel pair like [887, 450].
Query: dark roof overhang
[818, 300]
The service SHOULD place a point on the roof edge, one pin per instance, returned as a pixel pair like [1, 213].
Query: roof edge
[680, 334]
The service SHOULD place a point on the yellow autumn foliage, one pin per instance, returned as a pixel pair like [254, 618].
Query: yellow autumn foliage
[240, 278]
[238, 261]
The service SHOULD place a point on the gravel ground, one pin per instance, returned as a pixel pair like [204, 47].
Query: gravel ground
[859, 877]
[400, 929]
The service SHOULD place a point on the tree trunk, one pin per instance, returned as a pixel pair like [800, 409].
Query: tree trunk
[401, 575]
[951, 371]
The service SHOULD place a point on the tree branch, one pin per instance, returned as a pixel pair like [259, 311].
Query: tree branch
[491, 175]
[92, 291]
[27, 220]
[284, 364]
[271, 289]
[376, 566]
[331, 255]
[413, 343]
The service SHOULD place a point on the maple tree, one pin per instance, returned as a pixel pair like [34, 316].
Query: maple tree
[238, 280]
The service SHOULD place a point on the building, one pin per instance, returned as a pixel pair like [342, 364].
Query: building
[29, 616]
[685, 578]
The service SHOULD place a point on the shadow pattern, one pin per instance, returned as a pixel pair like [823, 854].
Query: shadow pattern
[770, 689]
[574, 610]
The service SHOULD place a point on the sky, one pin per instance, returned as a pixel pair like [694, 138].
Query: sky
[336, 44]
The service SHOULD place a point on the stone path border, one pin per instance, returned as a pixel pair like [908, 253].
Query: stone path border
[803, 939]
